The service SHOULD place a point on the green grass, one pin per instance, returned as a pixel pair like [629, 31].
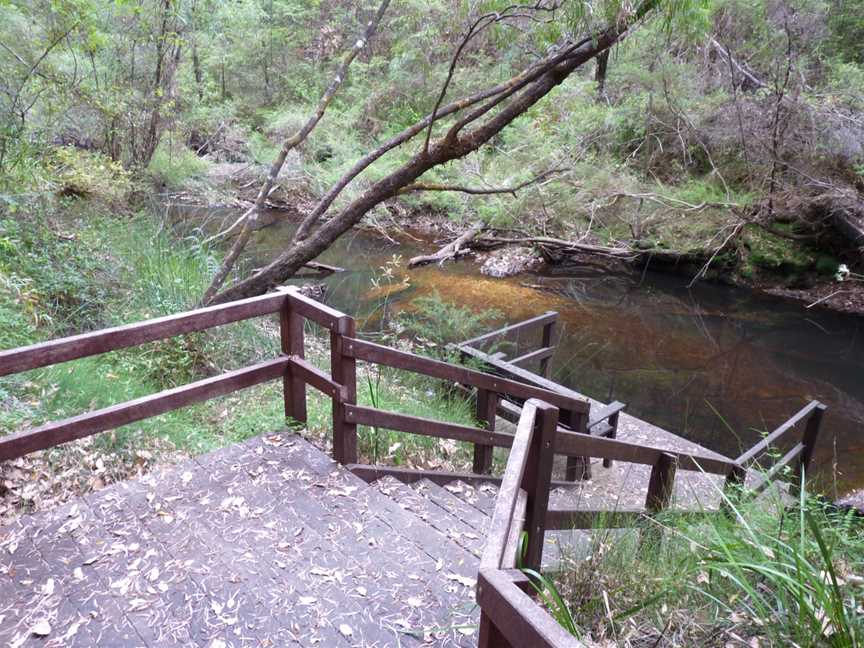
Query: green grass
[767, 575]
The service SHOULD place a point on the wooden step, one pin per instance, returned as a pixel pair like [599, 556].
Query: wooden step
[449, 526]
[455, 506]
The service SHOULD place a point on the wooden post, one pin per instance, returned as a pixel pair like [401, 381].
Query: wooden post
[808, 440]
[294, 389]
[578, 468]
[732, 489]
[548, 330]
[487, 406]
[613, 423]
[490, 636]
[660, 486]
[538, 475]
[343, 370]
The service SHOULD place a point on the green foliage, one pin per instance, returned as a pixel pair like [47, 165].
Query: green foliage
[172, 166]
[785, 577]
[84, 173]
[846, 27]
[436, 322]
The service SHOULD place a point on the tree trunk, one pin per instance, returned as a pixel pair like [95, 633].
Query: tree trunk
[452, 146]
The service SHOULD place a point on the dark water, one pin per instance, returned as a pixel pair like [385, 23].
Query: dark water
[714, 364]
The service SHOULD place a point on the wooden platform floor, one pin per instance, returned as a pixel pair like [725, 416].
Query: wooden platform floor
[266, 543]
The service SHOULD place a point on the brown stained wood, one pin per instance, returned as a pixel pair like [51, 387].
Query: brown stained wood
[540, 320]
[502, 517]
[573, 444]
[543, 354]
[605, 413]
[83, 425]
[517, 525]
[560, 519]
[518, 617]
[809, 440]
[764, 481]
[129, 335]
[525, 377]
[343, 368]
[546, 341]
[313, 310]
[312, 375]
[661, 483]
[754, 452]
[487, 406]
[291, 325]
[378, 354]
[361, 415]
[536, 480]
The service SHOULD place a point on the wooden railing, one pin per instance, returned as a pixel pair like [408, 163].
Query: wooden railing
[510, 616]
[603, 421]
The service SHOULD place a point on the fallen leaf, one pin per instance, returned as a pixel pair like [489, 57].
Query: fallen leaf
[345, 629]
[41, 628]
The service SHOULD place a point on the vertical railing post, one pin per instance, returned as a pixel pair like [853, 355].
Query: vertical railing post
[660, 487]
[343, 370]
[808, 440]
[548, 331]
[732, 489]
[577, 468]
[536, 481]
[291, 334]
[487, 407]
[613, 423]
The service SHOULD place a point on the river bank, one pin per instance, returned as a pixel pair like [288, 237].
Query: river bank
[769, 261]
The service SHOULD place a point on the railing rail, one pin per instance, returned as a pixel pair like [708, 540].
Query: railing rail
[509, 616]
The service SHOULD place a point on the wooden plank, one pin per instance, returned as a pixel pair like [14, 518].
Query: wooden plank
[370, 352]
[575, 444]
[557, 519]
[524, 376]
[343, 368]
[487, 405]
[312, 375]
[765, 443]
[561, 519]
[543, 353]
[546, 341]
[517, 616]
[371, 474]
[540, 320]
[311, 309]
[83, 425]
[502, 517]
[517, 525]
[766, 479]
[129, 335]
[809, 439]
[605, 412]
[538, 474]
[361, 415]
[661, 483]
[291, 325]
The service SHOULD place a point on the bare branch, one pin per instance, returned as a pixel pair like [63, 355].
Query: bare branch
[479, 191]
[249, 218]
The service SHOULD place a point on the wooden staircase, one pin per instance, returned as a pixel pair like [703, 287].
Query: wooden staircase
[266, 543]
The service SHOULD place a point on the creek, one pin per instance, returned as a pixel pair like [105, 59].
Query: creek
[714, 364]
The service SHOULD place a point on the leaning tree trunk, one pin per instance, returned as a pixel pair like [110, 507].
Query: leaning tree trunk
[452, 146]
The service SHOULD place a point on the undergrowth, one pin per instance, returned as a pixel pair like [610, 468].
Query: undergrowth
[769, 574]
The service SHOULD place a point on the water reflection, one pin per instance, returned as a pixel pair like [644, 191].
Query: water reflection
[714, 364]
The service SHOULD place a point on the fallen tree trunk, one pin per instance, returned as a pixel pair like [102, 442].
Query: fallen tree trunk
[617, 252]
[449, 251]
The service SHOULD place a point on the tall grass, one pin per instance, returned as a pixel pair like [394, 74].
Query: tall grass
[773, 572]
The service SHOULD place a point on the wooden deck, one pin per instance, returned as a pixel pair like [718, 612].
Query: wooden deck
[266, 543]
